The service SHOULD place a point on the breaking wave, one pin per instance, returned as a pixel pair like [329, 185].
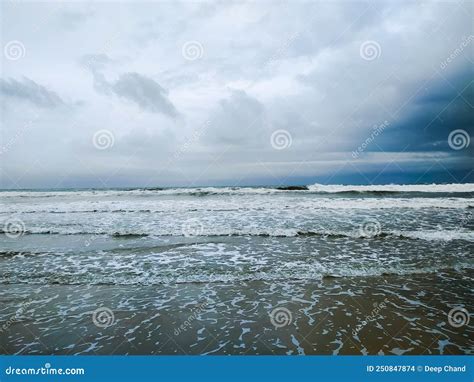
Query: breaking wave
[395, 188]
[453, 188]
[229, 277]
[433, 235]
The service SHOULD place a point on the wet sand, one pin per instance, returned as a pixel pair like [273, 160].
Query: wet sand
[352, 315]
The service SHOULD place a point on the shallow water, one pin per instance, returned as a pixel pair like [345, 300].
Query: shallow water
[369, 315]
[221, 260]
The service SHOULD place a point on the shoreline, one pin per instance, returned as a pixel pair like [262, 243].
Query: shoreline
[371, 315]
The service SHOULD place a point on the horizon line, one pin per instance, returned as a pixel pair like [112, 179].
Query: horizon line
[269, 186]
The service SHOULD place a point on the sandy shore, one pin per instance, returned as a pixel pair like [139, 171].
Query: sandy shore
[375, 315]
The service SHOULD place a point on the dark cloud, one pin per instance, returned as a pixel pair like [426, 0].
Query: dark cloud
[96, 63]
[30, 91]
[145, 92]
[148, 94]
[441, 107]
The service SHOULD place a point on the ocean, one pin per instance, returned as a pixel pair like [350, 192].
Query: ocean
[319, 269]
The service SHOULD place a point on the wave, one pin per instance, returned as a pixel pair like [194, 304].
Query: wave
[453, 188]
[231, 277]
[12, 253]
[129, 235]
[395, 188]
[271, 205]
[433, 235]
[293, 188]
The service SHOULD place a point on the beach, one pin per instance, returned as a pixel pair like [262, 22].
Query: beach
[238, 270]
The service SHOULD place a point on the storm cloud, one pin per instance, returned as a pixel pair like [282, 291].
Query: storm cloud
[197, 93]
[137, 88]
[30, 91]
[145, 92]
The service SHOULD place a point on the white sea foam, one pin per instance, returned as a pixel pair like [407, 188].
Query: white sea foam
[430, 235]
[438, 235]
[308, 273]
[270, 203]
[429, 188]
[200, 191]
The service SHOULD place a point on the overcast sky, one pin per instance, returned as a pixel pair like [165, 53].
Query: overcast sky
[107, 94]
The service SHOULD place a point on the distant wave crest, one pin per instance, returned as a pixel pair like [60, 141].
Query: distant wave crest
[392, 188]
[465, 188]
[433, 235]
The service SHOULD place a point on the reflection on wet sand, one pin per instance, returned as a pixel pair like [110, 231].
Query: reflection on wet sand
[371, 315]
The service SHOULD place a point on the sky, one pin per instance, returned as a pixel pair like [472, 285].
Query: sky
[155, 93]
